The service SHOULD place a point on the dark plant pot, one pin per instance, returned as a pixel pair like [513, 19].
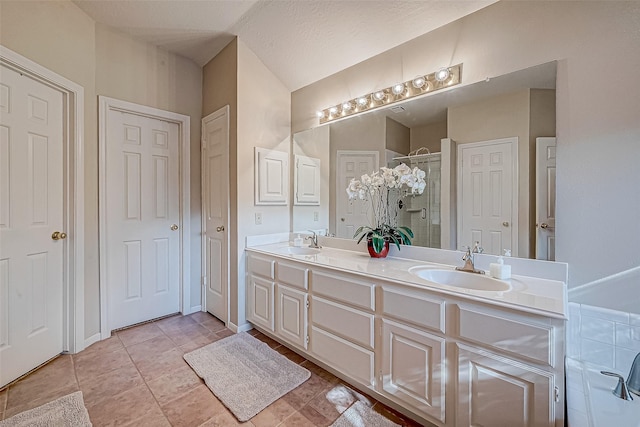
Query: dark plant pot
[383, 253]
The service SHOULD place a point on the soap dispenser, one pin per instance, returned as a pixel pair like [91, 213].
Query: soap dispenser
[297, 242]
[500, 270]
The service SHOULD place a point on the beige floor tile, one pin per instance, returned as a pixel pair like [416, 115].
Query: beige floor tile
[200, 316]
[297, 420]
[213, 324]
[44, 383]
[301, 395]
[333, 401]
[174, 384]
[155, 418]
[290, 354]
[224, 333]
[138, 334]
[326, 375]
[158, 365]
[193, 409]
[95, 365]
[267, 340]
[150, 348]
[199, 342]
[225, 419]
[99, 388]
[273, 414]
[44, 396]
[314, 416]
[174, 322]
[105, 346]
[124, 408]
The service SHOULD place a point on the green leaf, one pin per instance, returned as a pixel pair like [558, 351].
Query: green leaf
[378, 242]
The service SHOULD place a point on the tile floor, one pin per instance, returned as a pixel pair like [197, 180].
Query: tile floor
[139, 378]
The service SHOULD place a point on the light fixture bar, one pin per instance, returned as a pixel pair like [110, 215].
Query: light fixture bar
[419, 85]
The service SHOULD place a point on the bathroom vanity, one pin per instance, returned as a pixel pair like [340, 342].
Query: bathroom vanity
[446, 355]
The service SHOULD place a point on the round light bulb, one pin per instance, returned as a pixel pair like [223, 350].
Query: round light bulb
[398, 89]
[346, 106]
[378, 96]
[362, 101]
[442, 74]
[419, 82]
[320, 114]
[333, 110]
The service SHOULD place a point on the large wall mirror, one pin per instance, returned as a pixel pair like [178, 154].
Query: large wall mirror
[488, 150]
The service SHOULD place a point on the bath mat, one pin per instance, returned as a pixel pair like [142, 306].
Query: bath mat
[68, 411]
[359, 415]
[245, 374]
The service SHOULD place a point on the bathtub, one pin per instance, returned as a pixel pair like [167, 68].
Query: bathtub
[595, 405]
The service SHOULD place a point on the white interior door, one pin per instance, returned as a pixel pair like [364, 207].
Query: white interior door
[546, 198]
[31, 209]
[352, 214]
[487, 195]
[215, 204]
[142, 218]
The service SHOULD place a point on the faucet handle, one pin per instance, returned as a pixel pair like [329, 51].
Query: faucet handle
[477, 248]
[621, 389]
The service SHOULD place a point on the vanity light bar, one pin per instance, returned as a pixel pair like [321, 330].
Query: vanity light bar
[443, 78]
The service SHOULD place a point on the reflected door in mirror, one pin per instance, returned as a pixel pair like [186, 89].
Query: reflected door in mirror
[352, 214]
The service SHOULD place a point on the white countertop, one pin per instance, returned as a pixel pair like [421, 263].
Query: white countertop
[530, 294]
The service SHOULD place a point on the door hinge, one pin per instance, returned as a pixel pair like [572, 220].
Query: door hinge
[556, 394]
[204, 281]
[307, 303]
[307, 339]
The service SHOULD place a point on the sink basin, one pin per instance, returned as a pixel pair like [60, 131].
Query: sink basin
[296, 250]
[460, 279]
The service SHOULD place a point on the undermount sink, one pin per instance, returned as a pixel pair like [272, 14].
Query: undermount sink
[460, 279]
[297, 250]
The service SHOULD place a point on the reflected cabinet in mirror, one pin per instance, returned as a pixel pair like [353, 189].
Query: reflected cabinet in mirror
[488, 153]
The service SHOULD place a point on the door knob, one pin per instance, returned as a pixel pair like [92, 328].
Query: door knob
[505, 224]
[544, 226]
[220, 229]
[342, 219]
[174, 227]
[59, 235]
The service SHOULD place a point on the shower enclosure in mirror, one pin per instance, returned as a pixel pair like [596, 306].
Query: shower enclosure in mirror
[486, 180]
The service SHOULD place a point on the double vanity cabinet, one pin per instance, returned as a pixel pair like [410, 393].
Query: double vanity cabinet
[442, 358]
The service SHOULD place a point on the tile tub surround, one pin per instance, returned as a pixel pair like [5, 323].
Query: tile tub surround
[138, 377]
[531, 294]
[602, 339]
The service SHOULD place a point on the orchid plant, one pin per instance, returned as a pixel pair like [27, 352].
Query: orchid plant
[385, 188]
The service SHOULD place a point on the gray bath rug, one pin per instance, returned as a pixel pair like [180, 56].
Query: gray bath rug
[360, 415]
[67, 411]
[245, 374]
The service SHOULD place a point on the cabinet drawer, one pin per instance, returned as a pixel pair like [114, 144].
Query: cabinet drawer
[514, 335]
[349, 358]
[351, 324]
[262, 266]
[414, 307]
[338, 287]
[293, 275]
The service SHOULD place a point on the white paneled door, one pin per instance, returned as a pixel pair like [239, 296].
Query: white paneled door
[215, 203]
[352, 214]
[546, 199]
[31, 213]
[142, 218]
[487, 189]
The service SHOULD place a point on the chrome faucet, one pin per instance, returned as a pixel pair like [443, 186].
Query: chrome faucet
[314, 240]
[468, 259]
[632, 385]
[633, 382]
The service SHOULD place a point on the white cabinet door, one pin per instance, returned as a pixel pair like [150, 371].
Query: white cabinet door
[260, 302]
[497, 391]
[291, 315]
[413, 368]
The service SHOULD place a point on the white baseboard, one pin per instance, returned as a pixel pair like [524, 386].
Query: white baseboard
[92, 339]
[242, 328]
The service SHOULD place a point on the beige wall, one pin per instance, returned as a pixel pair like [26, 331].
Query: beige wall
[500, 117]
[397, 137]
[219, 88]
[597, 124]
[313, 143]
[62, 38]
[264, 120]
[428, 136]
[260, 109]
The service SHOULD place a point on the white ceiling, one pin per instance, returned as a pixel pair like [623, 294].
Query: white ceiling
[300, 41]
